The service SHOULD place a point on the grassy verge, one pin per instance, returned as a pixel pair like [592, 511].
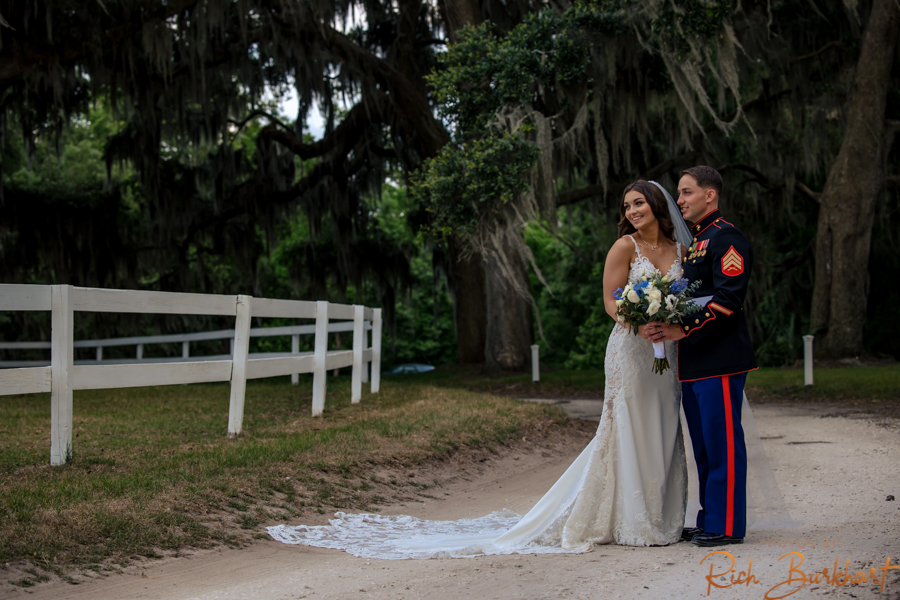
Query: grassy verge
[154, 471]
[841, 384]
[766, 384]
[554, 383]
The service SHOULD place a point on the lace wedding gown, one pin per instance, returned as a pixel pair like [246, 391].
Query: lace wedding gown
[629, 486]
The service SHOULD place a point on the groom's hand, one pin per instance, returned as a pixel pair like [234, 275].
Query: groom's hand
[668, 333]
[662, 332]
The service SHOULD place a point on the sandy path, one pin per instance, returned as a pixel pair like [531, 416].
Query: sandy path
[837, 489]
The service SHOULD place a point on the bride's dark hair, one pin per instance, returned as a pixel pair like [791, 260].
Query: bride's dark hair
[658, 206]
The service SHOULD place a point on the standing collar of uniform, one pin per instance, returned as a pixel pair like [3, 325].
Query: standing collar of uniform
[705, 221]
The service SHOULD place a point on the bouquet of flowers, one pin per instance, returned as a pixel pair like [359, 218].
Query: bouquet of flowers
[656, 298]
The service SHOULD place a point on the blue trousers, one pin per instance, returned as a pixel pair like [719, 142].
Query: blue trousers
[712, 408]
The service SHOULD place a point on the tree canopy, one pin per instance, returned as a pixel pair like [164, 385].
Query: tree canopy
[533, 114]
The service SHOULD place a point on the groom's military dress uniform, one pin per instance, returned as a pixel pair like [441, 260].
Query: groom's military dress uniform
[713, 360]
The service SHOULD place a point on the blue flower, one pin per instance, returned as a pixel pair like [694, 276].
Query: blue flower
[679, 286]
[618, 294]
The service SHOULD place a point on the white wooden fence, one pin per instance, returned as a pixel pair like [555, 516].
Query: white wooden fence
[65, 374]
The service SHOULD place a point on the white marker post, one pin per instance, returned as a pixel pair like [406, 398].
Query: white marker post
[535, 364]
[808, 359]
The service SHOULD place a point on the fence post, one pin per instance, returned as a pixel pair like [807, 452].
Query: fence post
[376, 351]
[295, 349]
[808, 359]
[365, 344]
[239, 364]
[99, 353]
[356, 373]
[185, 349]
[140, 352]
[535, 363]
[61, 334]
[321, 354]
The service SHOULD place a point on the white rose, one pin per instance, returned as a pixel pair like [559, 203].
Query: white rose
[671, 301]
[633, 296]
[654, 294]
[620, 302]
[654, 306]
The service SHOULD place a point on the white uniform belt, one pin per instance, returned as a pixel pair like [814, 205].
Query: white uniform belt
[703, 300]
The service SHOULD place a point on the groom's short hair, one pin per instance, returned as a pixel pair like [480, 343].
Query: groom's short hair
[706, 177]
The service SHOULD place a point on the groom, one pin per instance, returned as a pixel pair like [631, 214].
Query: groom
[714, 356]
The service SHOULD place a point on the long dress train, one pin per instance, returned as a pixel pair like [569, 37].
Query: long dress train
[628, 486]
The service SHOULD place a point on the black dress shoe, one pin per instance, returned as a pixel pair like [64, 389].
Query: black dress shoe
[688, 533]
[707, 540]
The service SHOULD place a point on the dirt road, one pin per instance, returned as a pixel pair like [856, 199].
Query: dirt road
[835, 471]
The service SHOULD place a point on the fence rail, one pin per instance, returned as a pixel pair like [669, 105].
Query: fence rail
[64, 374]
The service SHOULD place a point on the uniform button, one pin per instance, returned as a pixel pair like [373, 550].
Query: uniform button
[696, 321]
[707, 314]
[686, 327]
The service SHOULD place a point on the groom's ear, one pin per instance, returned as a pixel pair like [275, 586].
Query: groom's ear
[711, 195]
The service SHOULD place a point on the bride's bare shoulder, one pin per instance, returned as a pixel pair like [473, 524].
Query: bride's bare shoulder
[624, 247]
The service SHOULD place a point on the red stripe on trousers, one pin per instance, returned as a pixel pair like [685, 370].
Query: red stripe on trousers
[729, 426]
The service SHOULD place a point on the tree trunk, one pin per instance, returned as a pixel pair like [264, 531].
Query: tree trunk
[846, 215]
[509, 320]
[466, 269]
[493, 322]
[467, 280]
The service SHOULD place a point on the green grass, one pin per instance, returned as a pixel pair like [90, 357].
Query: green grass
[153, 469]
[851, 383]
[554, 382]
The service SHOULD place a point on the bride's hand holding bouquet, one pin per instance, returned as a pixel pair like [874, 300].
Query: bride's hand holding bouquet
[655, 298]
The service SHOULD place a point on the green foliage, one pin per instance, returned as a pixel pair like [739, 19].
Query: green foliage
[688, 21]
[483, 75]
[69, 168]
[570, 256]
[467, 183]
[593, 336]
[483, 72]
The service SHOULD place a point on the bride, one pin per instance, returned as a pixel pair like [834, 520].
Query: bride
[629, 486]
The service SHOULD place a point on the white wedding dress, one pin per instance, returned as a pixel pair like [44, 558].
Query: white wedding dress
[629, 486]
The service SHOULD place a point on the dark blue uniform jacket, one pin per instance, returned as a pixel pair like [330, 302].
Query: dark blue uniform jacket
[717, 341]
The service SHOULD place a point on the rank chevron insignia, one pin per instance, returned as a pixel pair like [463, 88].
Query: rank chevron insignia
[732, 263]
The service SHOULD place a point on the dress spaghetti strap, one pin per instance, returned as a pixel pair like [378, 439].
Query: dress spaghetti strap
[636, 247]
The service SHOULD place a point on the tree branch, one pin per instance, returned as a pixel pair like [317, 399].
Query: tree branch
[349, 131]
[819, 51]
[411, 108]
[253, 114]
